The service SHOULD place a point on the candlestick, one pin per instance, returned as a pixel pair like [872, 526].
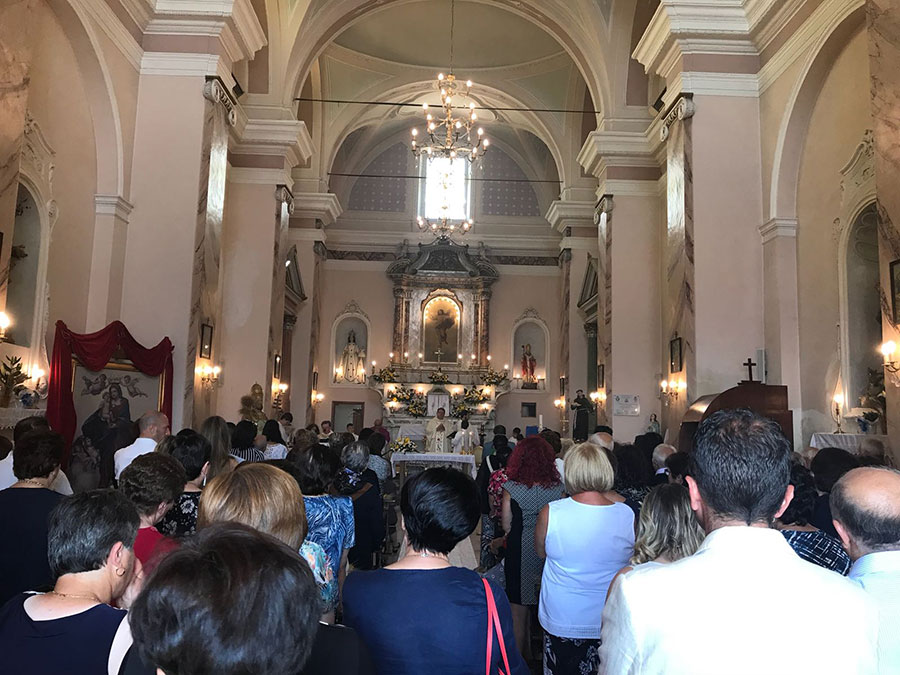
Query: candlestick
[540, 422]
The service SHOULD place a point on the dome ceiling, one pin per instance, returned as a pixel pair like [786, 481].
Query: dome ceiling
[418, 33]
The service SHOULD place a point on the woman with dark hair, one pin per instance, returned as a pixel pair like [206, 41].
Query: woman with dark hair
[377, 463]
[330, 518]
[440, 509]
[490, 479]
[243, 443]
[809, 542]
[363, 490]
[634, 472]
[74, 628]
[153, 482]
[215, 430]
[533, 483]
[276, 447]
[207, 609]
[193, 452]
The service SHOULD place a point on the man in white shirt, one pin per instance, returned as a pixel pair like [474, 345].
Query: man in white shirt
[153, 427]
[60, 483]
[745, 590]
[865, 504]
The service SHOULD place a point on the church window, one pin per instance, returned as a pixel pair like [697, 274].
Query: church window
[446, 189]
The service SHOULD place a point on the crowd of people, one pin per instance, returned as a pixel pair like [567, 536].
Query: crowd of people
[257, 548]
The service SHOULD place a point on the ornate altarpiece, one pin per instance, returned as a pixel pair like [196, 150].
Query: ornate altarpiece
[443, 269]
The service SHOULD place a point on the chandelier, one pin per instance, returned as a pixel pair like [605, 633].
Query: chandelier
[444, 227]
[446, 134]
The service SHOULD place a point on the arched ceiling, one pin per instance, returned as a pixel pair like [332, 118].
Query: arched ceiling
[486, 36]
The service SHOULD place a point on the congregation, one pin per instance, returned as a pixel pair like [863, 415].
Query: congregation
[234, 549]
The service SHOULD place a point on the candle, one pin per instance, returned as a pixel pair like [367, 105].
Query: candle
[540, 422]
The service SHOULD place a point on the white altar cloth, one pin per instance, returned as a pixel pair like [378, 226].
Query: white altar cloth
[465, 462]
[848, 442]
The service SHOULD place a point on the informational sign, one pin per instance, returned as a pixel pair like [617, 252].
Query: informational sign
[626, 405]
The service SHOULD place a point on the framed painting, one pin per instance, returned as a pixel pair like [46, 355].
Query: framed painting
[601, 376]
[108, 402]
[676, 357]
[206, 339]
[440, 330]
[276, 367]
[895, 291]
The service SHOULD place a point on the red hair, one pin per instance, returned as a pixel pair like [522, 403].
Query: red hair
[532, 463]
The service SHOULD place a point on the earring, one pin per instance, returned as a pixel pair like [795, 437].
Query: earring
[120, 571]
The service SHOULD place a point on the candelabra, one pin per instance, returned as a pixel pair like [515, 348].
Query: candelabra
[837, 411]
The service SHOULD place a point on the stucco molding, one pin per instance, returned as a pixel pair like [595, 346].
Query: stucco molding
[681, 110]
[603, 149]
[113, 205]
[112, 27]
[289, 139]
[778, 227]
[745, 85]
[323, 206]
[180, 64]
[563, 214]
[258, 176]
[216, 92]
[233, 22]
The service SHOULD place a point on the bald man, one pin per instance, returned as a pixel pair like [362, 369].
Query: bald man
[153, 426]
[865, 504]
[661, 453]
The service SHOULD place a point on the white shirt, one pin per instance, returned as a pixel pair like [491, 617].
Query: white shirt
[744, 604]
[275, 451]
[879, 575]
[7, 478]
[586, 545]
[465, 439]
[128, 454]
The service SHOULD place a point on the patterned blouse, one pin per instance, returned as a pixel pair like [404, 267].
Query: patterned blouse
[495, 492]
[820, 549]
[247, 455]
[318, 562]
[181, 520]
[332, 527]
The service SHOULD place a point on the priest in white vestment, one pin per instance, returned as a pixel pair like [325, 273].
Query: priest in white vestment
[437, 431]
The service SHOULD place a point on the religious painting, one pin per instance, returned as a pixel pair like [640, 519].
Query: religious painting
[206, 338]
[107, 403]
[895, 291]
[601, 376]
[676, 358]
[276, 367]
[440, 330]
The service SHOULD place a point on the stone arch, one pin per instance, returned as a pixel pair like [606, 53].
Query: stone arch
[795, 127]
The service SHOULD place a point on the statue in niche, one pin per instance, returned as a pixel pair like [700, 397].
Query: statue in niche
[352, 366]
[529, 363]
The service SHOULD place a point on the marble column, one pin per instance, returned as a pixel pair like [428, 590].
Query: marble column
[884, 67]
[399, 323]
[483, 297]
[284, 206]
[303, 340]
[16, 21]
[315, 321]
[604, 300]
[590, 331]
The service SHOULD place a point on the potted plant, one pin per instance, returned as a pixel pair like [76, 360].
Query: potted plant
[11, 378]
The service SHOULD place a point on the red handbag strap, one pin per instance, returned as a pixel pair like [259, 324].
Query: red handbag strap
[494, 622]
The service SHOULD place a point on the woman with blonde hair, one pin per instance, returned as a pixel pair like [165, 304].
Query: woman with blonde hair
[667, 529]
[585, 539]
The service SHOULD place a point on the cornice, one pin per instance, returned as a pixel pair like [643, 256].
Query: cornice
[563, 214]
[112, 205]
[279, 138]
[233, 22]
[258, 176]
[778, 227]
[589, 244]
[603, 149]
[323, 206]
[296, 234]
[185, 65]
[744, 85]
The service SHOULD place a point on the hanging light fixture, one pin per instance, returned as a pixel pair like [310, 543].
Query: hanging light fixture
[446, 134]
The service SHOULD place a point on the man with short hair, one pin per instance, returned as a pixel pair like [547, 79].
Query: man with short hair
[660, 454]
[745, 585]
[437, 432]
[488, 449]
[865, 504]
[153, 426]
[327, 431]
[378, 428]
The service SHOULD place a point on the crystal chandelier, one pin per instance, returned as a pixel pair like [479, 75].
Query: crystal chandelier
[446, 134]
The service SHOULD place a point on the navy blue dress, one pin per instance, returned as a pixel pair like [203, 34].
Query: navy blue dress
[74, 644]
[427, 621]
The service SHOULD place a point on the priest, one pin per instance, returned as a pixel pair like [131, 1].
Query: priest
[437, 432]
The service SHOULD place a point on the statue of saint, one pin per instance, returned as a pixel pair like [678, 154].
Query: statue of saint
[352, 363]
[252, 406]
[528, 364]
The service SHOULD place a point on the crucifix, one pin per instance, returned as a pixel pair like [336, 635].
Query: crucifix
[439, 353]
[749, 365]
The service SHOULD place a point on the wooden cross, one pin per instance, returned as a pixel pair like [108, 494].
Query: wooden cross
[749, 365]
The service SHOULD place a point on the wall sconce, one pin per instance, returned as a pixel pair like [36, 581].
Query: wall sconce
[598, 397]
[505, 367]
[837, 411]
[5, 323]
[560, 403]
[209, 375]
[317, 397]
[888, 350]
[391, 356]
[278, 398]
[670, 390]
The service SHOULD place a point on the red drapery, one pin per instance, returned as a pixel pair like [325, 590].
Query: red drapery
[94, 350]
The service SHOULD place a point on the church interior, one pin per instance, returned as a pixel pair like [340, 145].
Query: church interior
[647, 202]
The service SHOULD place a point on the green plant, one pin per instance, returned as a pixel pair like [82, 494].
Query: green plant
[873, 398]
[11, 375]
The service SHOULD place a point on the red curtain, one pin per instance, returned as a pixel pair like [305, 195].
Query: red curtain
[94, 351]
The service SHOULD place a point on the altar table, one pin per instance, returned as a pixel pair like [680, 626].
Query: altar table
[465, 462]
[848, 442]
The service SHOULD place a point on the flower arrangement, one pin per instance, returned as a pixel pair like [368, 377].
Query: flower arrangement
[459, 407]
[475, 396]
[403, 445]
[493, 378]
[417, 407]
[402, 395]
[439, 377]
[386, 374]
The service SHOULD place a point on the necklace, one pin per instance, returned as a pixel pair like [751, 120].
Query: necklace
[439, 556]
[76, 596]
[32, 481]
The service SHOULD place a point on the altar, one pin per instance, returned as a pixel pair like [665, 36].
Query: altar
[466, 463]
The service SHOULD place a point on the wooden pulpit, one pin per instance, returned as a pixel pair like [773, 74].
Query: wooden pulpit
[768, 400]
